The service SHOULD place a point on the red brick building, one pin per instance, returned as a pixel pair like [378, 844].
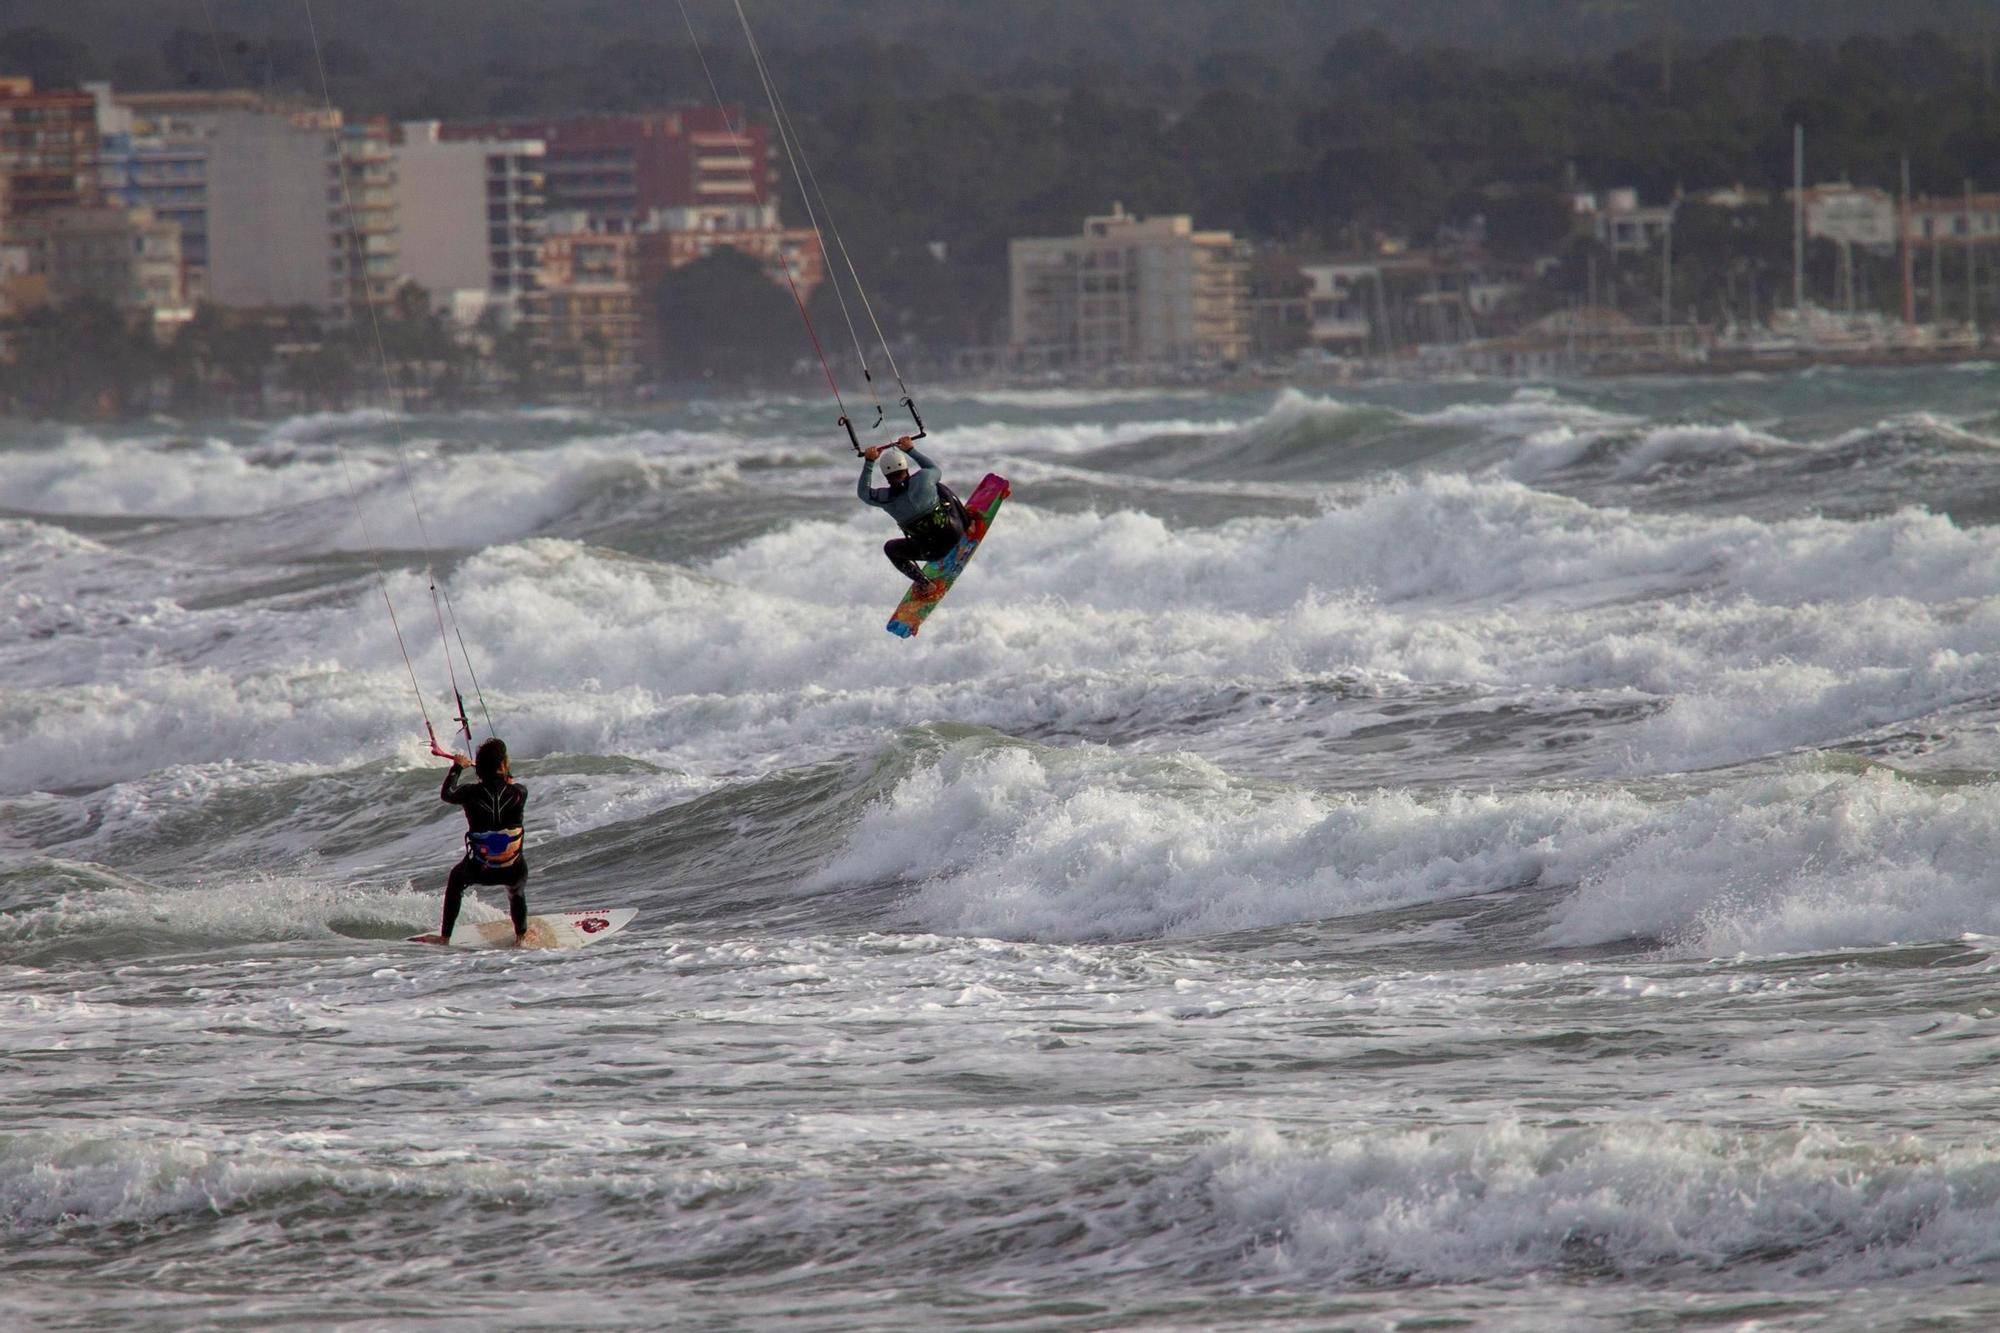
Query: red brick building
[588, 309]
[619, 169]
[48, 147]
[675, 238]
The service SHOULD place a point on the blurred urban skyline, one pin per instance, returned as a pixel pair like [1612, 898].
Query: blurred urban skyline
[556, 200]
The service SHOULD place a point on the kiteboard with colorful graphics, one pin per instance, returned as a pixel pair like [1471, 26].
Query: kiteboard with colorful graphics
[944, 571]
[553, 930]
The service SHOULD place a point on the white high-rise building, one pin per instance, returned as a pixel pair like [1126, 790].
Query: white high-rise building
[470, 213]
[275, 207]
[261, 187]
[154, 158]
[1129, 291]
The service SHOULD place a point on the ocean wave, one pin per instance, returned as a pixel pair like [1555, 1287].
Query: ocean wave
[88, 910]
[313, 426]
[1529, 411]
[1022, 843]
[207, 478]
[1804, 1209]
[994, 442]
[1665, 446]
[1798, 862]
[1070, 846]
[1630, 451]
[1761, 636]
[297, 497]
[1067, 399]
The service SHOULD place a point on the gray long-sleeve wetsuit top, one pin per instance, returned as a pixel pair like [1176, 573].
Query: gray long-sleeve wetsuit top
[917, 498]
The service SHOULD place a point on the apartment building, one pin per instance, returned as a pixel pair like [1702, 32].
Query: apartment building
[672, 238]
[618, 169]
[1129, 292]
[258, 185]
[48, 147]
[126, 256]
[279, 204]
[1344, 298]
[151, 158]
[471, 213]
[588, 311]
[1956, 220]
[366, 267]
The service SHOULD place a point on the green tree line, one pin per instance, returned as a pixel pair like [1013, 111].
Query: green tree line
[404, 48]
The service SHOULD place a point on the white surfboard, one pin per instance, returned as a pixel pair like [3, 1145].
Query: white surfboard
[551, 930]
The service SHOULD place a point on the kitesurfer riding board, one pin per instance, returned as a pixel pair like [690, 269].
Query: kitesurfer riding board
[937, 526]
[931, 517]
[495, 808]
[941, 573]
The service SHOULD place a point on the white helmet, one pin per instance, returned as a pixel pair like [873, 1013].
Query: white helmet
[892, 461]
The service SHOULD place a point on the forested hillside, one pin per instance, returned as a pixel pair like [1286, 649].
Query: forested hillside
[395, 54]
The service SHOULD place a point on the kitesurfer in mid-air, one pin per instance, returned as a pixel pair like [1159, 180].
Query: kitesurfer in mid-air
[494, 810]
[932, 519]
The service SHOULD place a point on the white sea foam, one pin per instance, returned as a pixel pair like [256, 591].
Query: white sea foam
[1527, 412]
[153, 719]
[1084, 845]
[1761, 636]
[1803, 1210]
[994, 442]
[357, 496]
[1671, 444]
[264, 906]
[320, 425]
[1796, 862]
[47, 1181]
[207, 479]
[1075, 846]
[1060, 399]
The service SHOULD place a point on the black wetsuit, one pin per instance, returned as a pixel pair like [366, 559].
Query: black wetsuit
[489, 804]
[908, 552]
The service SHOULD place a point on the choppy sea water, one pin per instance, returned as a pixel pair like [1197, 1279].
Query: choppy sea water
[1462, 855]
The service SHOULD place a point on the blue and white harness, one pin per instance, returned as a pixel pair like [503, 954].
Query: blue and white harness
[495, 848]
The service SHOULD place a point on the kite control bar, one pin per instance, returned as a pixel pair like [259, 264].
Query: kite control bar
[908, 403]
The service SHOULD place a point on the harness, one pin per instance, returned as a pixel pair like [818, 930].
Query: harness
[495, 848]
[945, 516]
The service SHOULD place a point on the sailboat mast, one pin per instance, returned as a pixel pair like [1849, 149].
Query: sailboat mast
[1903, 237]
[1799, 216]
